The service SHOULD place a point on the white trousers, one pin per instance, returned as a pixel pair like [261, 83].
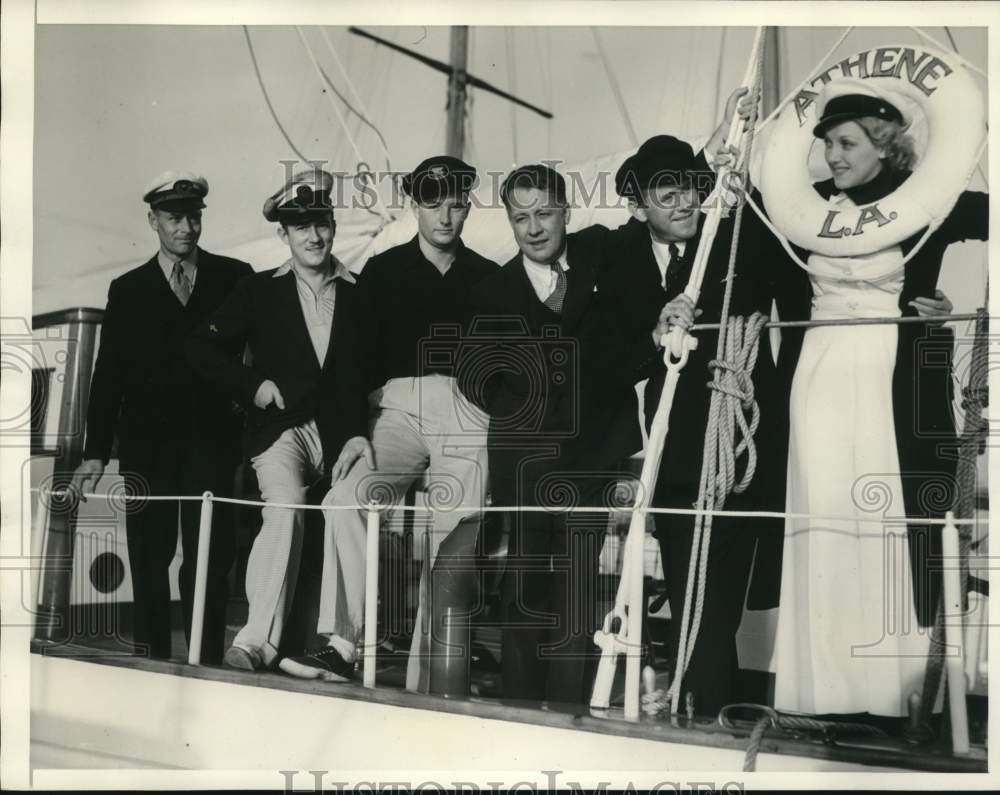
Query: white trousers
[284, 472]
[421, 425]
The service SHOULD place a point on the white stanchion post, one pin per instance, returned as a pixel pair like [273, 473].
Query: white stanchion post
[955, 658]
[636, 611]
[973, 634]
[371, 597]
[629, 604]
[39, 527]
[200, 579]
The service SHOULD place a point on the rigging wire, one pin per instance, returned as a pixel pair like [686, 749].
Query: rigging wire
[985, 271]
[965, 61]
[954, 46]
[267, 99]
[549, 82]
[794, 92]
[685, 122]
[951, 38]
[363, 113]
[544, 54]
[658, 120]
[508, 35]
[381, 84]
[343, 123]
[342, 98]
[716, 107]
[615, 88]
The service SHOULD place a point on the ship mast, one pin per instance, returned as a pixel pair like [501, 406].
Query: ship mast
[771, 81]
[455, 144]
[458, 81]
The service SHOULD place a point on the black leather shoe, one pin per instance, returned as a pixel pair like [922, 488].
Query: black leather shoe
[327, 664]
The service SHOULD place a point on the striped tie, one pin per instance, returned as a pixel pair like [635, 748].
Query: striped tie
[558, 296]
[180, 284]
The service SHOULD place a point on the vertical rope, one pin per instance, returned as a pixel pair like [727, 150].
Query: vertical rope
[711, 493]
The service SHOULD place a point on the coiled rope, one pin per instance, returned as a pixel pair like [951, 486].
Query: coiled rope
[739, 409]
[732, 394]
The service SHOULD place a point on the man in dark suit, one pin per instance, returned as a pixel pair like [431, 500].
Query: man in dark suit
[305, 389]
[648, 262]
[177, 434]
[545, 358]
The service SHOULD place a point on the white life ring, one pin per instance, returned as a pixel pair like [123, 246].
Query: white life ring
[953, 106]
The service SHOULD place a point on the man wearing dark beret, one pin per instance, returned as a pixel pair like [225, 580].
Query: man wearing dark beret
[648, 262]
[305, 391]
[656, 250]
[421, 425]
[177, 434]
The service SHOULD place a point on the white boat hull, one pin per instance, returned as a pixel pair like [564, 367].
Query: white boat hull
[86, 714]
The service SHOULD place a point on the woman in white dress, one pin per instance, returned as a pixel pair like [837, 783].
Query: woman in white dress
[849, 638]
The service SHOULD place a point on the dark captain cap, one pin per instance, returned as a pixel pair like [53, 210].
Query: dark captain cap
[850, 98]
[438, 177]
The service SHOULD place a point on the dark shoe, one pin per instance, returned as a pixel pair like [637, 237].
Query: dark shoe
[242, 658]
[326, 664]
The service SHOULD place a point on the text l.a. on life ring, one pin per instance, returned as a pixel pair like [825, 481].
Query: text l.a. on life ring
[956, 131]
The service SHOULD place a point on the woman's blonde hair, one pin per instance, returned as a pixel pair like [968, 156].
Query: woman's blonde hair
[892, 138]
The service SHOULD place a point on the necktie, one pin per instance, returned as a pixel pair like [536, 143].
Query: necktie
[555, 301]
[673, 265]
[180, 284]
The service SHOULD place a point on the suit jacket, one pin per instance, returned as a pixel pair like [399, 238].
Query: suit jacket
[143, 387]
[546, 379]
[632, 278]
[264, 312]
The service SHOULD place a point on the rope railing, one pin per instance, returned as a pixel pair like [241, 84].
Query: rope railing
[852, 321]
[374, 510]
[379, 507]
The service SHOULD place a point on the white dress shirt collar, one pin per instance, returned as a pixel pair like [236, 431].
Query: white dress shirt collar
[542, 277]
[189, 264]
[661, 251]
